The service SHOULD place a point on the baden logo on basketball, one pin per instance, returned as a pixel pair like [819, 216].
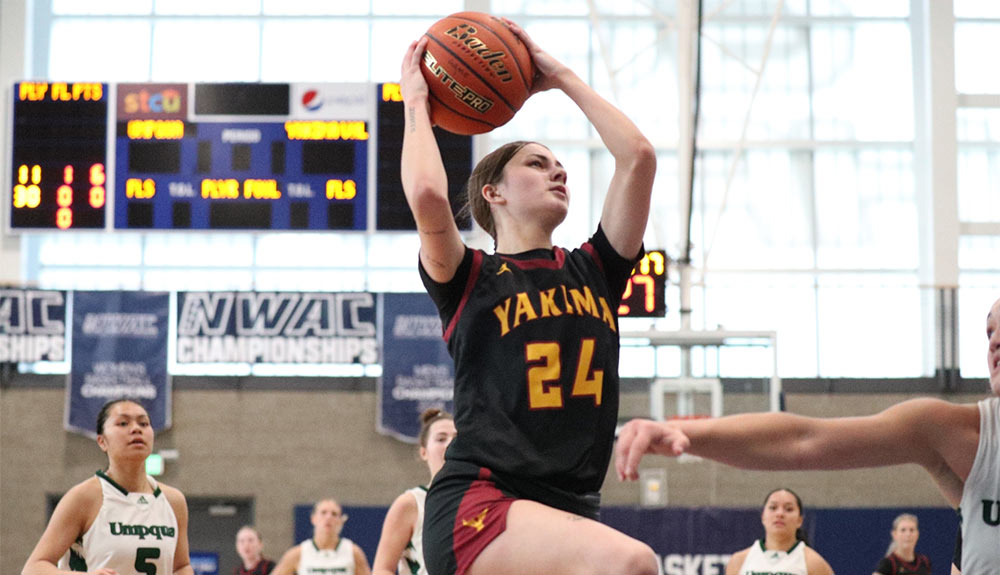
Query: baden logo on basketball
[466, 34]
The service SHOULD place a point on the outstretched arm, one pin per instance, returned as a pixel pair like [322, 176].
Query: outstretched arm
[938, 435]
[626, 206]
[425, 182]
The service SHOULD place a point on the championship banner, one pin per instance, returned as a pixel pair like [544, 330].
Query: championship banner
[119, 351]
[32, 325]
[276, 327]
[417, 371]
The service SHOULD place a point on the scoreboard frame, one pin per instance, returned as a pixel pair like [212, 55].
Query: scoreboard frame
[216, 157]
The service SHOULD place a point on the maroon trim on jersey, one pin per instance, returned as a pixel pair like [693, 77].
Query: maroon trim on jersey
[474, 269]
[481, 518]
[589, 248]
[540, 263]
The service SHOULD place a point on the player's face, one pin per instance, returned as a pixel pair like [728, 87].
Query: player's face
[248, 545]
[781, 514]
[905, 534]
[439, 436]
[993, 346]
[534, 182]
[328, 516]
[127, 432]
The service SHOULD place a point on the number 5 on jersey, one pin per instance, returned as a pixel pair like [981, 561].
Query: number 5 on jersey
[545, 368]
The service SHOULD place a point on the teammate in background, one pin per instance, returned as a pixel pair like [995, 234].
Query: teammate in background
[402, 541]
[958, 445]
[249, 545]
[902, 557]
[784, 548]
[534, 334]
[122, 520]
[327, 552]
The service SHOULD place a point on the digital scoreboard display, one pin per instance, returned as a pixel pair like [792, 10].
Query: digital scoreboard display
[59, 154]
[235, 156]
[645, 292]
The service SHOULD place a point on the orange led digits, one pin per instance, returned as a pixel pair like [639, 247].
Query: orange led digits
[28, 195]
[64, 218]
[96, 197]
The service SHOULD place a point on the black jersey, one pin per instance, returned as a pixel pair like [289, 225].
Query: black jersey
[534, 337]
[892, 564]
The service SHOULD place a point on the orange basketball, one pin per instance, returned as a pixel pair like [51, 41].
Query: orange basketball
[479, 73]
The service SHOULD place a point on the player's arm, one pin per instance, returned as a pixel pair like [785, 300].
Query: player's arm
[397, 530]
[360, 562]
[289, 562]
[182, 558]
[425, 182]
[69, 520]
[626, 206]
[915, 431]
[736, 562]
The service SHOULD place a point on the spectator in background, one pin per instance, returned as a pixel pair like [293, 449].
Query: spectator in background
[784, 548]
[249, 545]
[902, 558]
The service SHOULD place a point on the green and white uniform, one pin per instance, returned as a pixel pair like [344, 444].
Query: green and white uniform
[316, 561]
[980, 505]
[412, 561]
[762, 561]
[132, 533]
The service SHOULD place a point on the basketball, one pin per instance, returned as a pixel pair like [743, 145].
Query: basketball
[478, 71]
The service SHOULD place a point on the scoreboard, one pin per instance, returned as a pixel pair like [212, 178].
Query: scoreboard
[238, 156]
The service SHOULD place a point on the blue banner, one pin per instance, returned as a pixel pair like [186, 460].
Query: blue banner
[119, 351]
[417, 372]
[32, 325]
[276, 327]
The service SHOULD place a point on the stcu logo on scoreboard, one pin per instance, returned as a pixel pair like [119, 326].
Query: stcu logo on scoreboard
[160, 101]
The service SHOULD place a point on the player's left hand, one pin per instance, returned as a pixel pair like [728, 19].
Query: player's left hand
[547, 69]
[641, 436]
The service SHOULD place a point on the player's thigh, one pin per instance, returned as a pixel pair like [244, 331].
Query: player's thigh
[543, 540]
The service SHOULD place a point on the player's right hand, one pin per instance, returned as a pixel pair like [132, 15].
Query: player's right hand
[641, 436]
[412, 83]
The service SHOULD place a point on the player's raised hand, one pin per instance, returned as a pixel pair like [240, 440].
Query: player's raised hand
[641, 436]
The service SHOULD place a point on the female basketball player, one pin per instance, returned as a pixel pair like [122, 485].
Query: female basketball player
[402, 541]
[533, 332]
[327, 551]
[958, 445]
[783, 548]
[902, 557]
[121, 520]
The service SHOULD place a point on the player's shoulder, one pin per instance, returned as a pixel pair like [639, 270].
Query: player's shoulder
[86, 492]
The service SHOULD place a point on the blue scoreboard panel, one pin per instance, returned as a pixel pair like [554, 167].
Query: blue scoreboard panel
[213, 157]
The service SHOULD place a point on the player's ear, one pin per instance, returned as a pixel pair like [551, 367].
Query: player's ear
[492, 194]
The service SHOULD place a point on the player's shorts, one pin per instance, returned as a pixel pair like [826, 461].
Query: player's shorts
[464, 512]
